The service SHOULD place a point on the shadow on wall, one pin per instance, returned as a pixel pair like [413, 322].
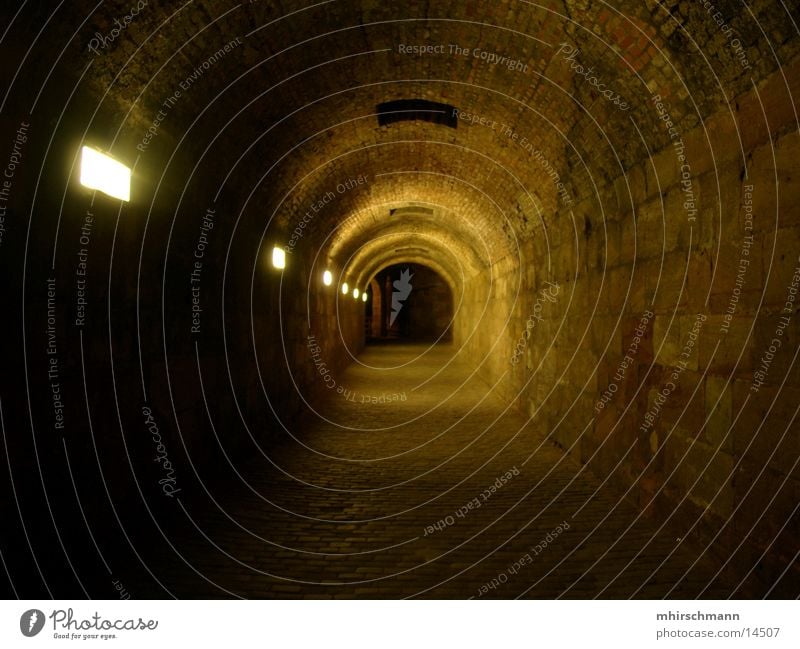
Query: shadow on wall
[409, 302]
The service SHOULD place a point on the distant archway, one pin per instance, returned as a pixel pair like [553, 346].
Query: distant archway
[410, 302]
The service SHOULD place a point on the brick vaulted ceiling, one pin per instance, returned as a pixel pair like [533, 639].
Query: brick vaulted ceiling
[288, 113]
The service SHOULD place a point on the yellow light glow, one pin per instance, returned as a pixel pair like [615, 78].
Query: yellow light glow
[345, 288]
[278, 257]
[364, 297]
[355, 293]
[100, 172]
[327, 278]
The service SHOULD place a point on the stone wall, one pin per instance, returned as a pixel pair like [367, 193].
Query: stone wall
[666, 362]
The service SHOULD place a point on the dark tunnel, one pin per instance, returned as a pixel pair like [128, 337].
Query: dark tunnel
[357, 299]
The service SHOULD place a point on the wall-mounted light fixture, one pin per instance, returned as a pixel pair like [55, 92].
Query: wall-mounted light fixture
[327, 278]
[103, 173]
[355, 293]
[278, 257]
[345, 288]
[364, 296]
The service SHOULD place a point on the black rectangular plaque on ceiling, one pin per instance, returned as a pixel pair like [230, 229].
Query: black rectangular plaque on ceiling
[401, 110]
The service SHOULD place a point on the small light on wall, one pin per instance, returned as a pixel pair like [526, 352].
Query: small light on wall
[355, 293]
[364, 296]
[327, 278]
[103, 173]
[345, 288]
[278, 257]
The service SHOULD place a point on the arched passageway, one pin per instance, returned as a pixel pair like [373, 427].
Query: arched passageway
[410, 302]
[596, 207]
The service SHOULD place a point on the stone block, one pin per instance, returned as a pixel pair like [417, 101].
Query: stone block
[726, 350]
[780, 257]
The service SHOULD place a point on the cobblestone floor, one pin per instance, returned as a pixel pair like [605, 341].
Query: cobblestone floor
[351, 508]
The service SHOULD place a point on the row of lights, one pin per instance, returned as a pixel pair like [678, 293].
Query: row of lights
[104, 174]
[327, 279]
[279, 262]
